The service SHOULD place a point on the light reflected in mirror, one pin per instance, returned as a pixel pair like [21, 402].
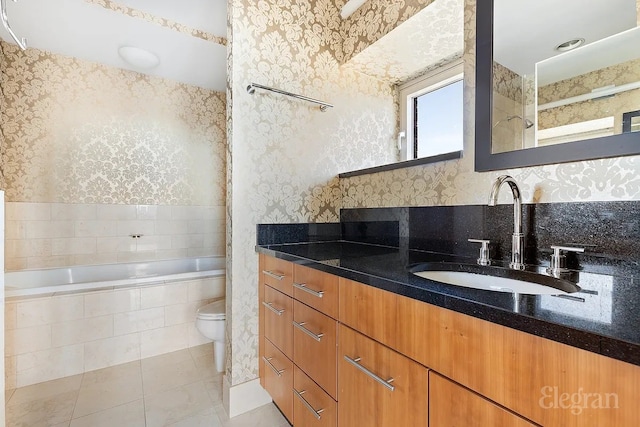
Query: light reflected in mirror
[545, 92]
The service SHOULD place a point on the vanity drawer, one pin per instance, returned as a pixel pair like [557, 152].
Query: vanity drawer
[278, 378]
[314, 346]
[378, 386]
[277, 273]
[316, 289]
[311, 405]
[278, 315]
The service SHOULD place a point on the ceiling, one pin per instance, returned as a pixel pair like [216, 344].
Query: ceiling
[527, 31]
[188, 36]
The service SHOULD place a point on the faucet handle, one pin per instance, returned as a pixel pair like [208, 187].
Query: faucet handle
[557, 259]
[484, 251]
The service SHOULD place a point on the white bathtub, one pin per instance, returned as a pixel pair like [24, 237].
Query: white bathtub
[92, 277]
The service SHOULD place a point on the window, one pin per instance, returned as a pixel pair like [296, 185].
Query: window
[431, 114]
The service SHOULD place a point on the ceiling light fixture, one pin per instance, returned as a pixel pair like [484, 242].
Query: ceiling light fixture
[138, 58]
[350, 7]
[569, 45]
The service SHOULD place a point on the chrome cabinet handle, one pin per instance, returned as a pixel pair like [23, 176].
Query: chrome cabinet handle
[303, 287]
[277, 371]
[356, 362]
[300, 326]
[307, 404]
[274, 275]
[269, 305]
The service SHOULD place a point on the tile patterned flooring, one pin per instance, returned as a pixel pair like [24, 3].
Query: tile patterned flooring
[180, 389]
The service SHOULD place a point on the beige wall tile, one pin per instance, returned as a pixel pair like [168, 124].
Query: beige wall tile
[172, 254]
[50, 261]
[163, 340]
[136, 256]
[96, 228]
[128, 227]
[10, 315]
[180, 313]
[153, 243]
[27, 211]
[15, 229]
[205, 289]
[109, 302]
[27, 340]
[28, 248]
[73, 246]
[10, 372]
[111, 351]
[81, 331]
[15, 264]
[164, 227]
[116, 212]
[158, 296]
[93, 259]
[116, 244]
[139, 320]
[49, 364]
[187, 212]
[45, 311]
[73, 211]
[49, 229]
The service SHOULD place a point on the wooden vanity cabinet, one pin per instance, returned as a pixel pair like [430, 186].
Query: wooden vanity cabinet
[451, 405]
[278, 317]
[378, 386]
[312, 407]
[278, 378]
[316, 289]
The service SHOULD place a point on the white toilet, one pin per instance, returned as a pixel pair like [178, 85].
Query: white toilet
[210, 322]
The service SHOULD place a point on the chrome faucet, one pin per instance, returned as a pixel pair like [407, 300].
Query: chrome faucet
[517, 239]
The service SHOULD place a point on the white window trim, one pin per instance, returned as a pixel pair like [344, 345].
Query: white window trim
[443, 76]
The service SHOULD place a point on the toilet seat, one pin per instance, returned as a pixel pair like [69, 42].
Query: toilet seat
[213, 311]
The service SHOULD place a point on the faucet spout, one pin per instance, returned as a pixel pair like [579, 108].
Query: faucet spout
[517, 239]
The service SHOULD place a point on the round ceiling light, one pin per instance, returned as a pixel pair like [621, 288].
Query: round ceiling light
[569, 45]
[138, 58]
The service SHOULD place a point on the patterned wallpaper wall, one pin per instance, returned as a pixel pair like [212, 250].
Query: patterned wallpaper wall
[372, 21]
[80, 132]
[456, 183]
[285, 154]
[620, 74]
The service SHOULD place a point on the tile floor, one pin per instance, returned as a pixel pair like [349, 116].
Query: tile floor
[175, 389]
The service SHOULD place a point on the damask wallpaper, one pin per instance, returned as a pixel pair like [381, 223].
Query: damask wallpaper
[80, 132]
[285, 154]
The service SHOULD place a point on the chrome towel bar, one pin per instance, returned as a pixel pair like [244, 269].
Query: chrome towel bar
[251, 89]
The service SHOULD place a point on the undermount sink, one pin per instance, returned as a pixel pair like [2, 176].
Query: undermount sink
[492, 278]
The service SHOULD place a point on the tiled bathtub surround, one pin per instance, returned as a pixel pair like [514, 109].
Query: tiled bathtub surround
[43, 235]
[65, 334]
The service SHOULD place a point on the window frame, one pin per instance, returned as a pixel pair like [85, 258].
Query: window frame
[407, 94]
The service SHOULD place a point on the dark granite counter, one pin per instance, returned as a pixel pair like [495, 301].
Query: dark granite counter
[604, 318]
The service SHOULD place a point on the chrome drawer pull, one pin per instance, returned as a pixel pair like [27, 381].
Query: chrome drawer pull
[307, 404]
[269, 305]
[300, 326]
[303, 287]
[355, 362]
[274, 275]
[277, 371]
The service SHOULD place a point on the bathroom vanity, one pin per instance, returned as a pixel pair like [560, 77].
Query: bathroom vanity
[350, 337]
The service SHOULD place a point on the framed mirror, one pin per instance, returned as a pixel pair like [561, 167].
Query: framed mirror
[555, 82]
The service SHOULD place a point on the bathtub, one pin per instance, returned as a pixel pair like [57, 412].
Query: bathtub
[109, 276]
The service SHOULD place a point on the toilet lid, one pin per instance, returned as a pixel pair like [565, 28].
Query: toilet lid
[213, 311]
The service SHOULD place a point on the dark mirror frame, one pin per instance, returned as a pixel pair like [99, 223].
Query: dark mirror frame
[624, 144]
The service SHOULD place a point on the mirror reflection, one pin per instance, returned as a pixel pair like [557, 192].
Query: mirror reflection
[564, 76]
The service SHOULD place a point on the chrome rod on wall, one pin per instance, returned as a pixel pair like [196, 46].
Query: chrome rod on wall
[21, 41]
[323, 105]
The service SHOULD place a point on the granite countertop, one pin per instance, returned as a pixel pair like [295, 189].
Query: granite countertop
[605, 320]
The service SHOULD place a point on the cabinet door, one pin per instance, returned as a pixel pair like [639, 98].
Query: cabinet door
[312, 407]
[377, 386]
[277, 273]
[451, 405]
[316, 289]
[278, 315]
[314, 346]
[278, 378]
